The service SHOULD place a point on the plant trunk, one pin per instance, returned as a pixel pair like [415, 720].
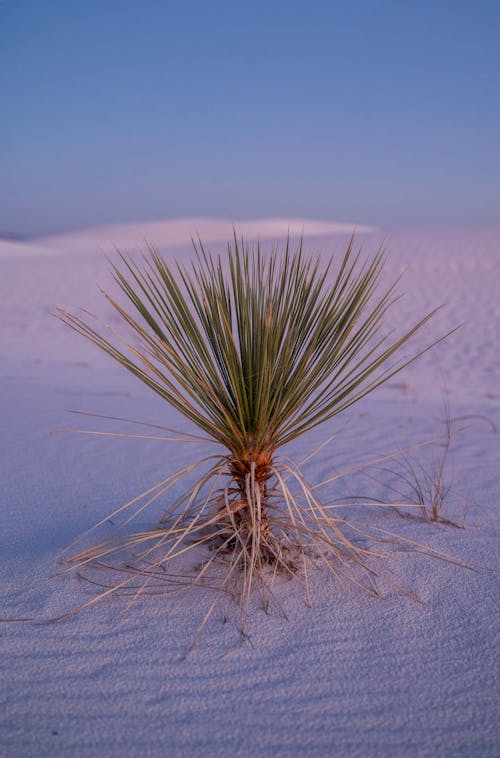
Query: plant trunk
[249, 493]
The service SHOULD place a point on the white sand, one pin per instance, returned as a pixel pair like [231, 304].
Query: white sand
[176, 232]
[353, 676]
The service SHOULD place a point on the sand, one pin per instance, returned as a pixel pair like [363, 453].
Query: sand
[350, 676]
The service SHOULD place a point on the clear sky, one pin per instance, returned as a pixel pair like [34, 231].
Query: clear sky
[371, 111]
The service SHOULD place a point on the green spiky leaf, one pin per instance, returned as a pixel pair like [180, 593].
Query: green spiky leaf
[255, 349]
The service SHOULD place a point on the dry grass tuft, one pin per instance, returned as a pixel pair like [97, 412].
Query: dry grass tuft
[427, 485]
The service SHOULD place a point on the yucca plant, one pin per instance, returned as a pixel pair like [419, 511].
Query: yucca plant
[255, 350]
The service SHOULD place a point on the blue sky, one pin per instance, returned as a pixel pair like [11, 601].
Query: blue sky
[374, 112]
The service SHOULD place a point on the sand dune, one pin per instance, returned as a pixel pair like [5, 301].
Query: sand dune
[16, 249]
[179, 232]
[351, 676]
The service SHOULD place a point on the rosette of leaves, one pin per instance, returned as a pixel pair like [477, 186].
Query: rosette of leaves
[255, 350]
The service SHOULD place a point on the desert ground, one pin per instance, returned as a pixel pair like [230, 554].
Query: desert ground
[352, 675]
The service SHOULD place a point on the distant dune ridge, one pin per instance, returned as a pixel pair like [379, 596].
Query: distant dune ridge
[179, 232]
[10, 248]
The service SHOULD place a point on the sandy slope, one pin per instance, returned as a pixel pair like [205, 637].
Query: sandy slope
[352, 675]
[17, 249]
[178, 231]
